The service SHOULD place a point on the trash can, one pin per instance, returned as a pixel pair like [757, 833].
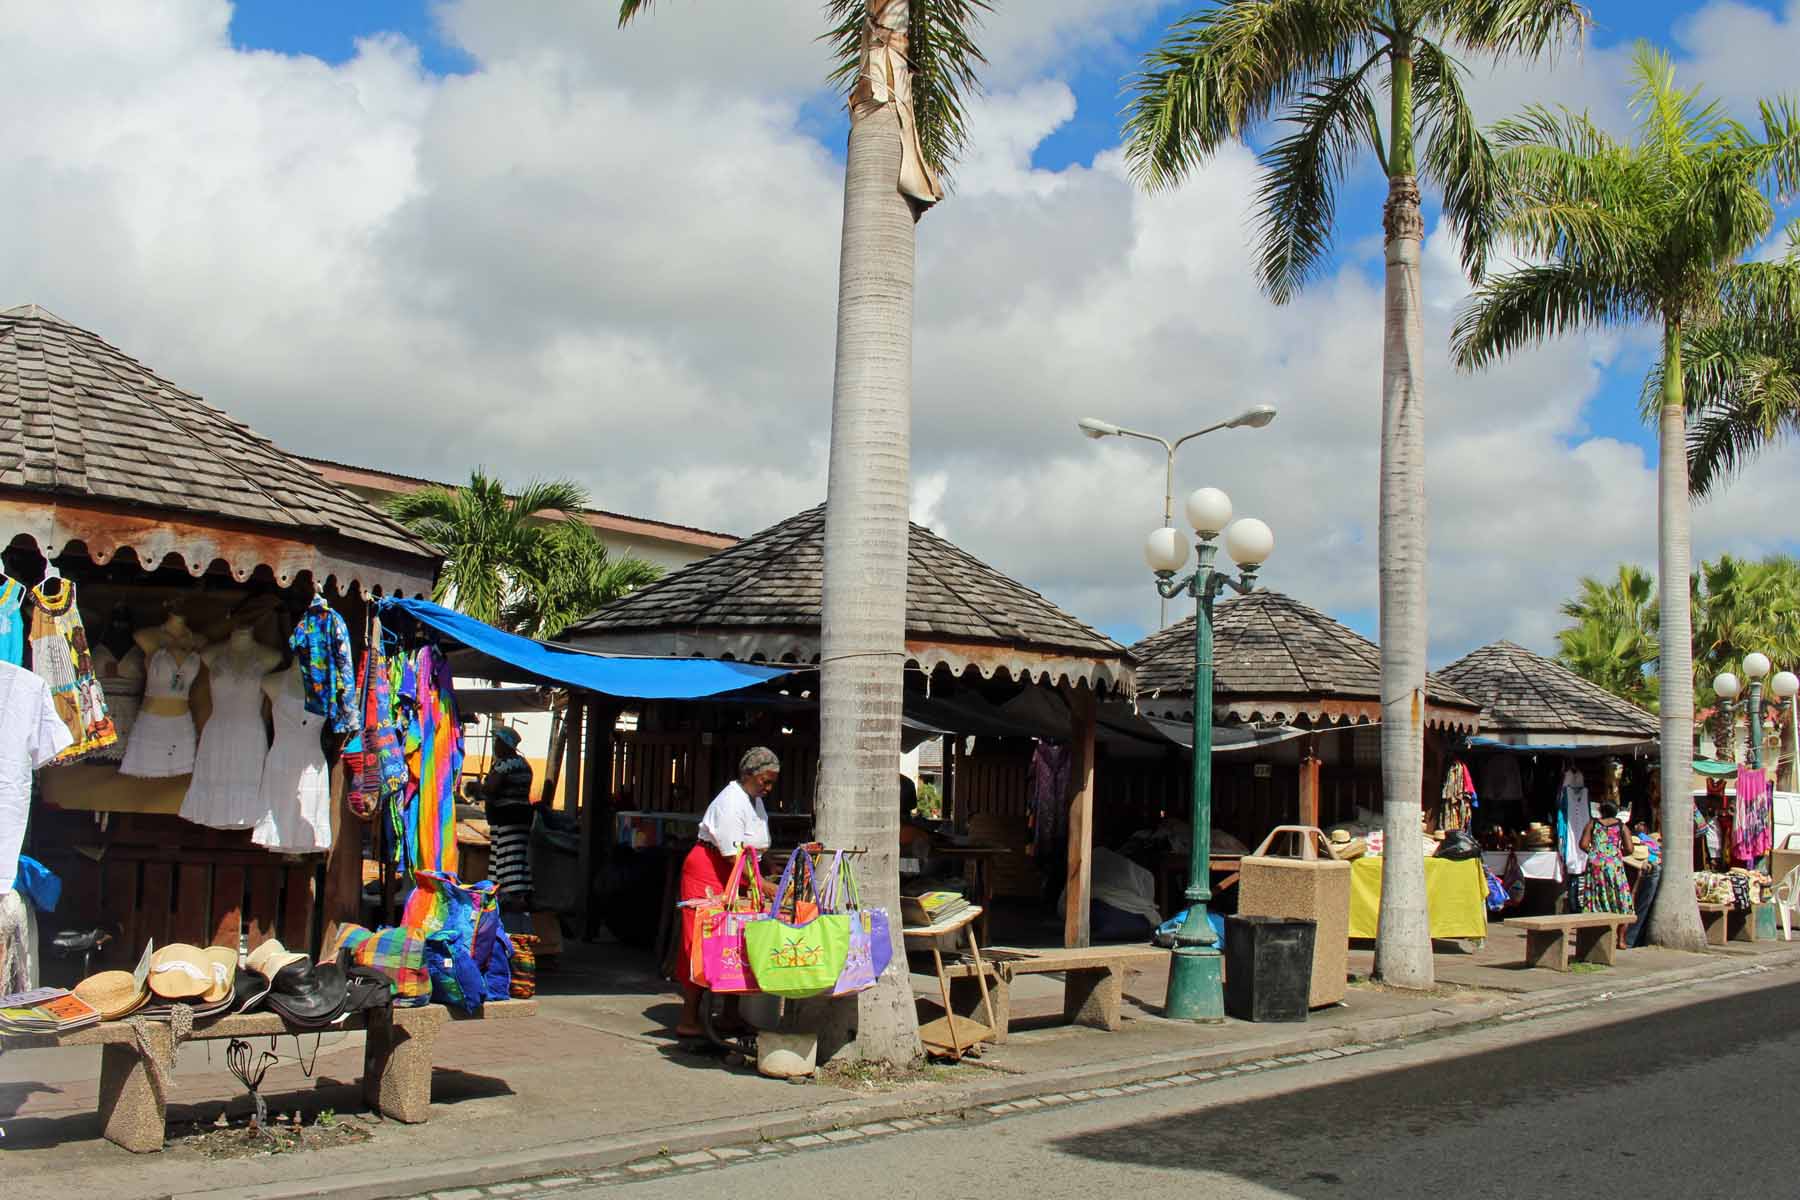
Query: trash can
[1268, 967]
[1308, 886]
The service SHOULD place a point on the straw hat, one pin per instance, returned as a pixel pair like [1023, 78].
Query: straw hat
[1346, 848]
[114, 994]
[223, 961]
[270, 957]
[180, 972]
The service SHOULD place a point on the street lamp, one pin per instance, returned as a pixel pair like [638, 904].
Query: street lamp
[1254, 417]
[1756, 667]
[1196, 982]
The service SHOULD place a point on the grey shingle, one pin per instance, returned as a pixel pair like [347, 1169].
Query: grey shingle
[1523, 691]
[83, 418]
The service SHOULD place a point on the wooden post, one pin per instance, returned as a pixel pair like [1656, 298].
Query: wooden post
[1082, 717]
[571, 772]
[343, 867]
[596, 802]
[1309, 782]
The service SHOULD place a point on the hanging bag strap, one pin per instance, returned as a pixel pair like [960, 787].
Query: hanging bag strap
[844, 875]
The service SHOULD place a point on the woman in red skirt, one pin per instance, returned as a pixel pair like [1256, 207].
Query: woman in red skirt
[734, 820]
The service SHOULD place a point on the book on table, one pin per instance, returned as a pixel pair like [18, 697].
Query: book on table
[45, 1010]
[932, 908]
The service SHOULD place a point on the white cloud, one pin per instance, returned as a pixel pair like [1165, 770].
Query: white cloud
[613, 255]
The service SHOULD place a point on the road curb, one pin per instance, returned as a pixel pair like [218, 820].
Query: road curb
[597, 1154]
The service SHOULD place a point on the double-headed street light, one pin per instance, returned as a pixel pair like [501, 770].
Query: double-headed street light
[1254, 417]
[1756, 668]
[1196, 982]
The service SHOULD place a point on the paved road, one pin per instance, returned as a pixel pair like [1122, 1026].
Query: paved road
[1691, 1093]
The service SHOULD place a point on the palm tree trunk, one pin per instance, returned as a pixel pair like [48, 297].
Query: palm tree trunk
[1675, 920]
[864, 617]
[1403, 944]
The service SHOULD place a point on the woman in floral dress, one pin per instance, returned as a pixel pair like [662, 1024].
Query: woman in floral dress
[1607, 844]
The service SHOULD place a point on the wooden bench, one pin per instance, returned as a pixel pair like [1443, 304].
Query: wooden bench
[1596, 938]
[397, 1059]
[1093, 985]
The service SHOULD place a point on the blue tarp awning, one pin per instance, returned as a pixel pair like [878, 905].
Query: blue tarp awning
[489, 653]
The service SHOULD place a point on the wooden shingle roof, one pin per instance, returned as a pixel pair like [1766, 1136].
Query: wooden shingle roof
[1274, 658]
[84, 425]
[1523, 692]
[760, 599]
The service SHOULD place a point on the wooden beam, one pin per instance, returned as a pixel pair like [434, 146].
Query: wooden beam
[572, 746]
[1082, 717]
[596, 803]
[1309, 782]
[342, 901]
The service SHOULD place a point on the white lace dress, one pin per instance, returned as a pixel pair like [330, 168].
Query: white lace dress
[226, 792]
[162, 744]
[296, 784]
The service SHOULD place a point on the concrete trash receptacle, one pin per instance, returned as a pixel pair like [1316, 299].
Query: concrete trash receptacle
[1311, 887]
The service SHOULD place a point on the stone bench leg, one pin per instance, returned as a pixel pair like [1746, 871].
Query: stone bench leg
[1716, 927]
[965, 998]
[1093, 997]
[397, 1068]
[132, 1112]
[1597, 944]
[1547, 948]
[1740, 925]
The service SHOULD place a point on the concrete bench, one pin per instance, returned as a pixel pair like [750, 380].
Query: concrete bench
[1596, 938]
[1728, 923]
[1093, 983]
[397, 1060]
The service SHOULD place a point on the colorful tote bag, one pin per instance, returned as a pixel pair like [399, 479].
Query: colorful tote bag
[870, 946]
[719, 930]
[398, 954]
[797, 959]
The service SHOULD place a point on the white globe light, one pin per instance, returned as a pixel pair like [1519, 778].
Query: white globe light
[1756, 665]
[1208, 511]
[1726, 685]
[1249, 542]
[1165, 549]
[1785, 685]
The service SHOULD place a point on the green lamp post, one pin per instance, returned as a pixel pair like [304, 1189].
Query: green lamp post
[1196, 980]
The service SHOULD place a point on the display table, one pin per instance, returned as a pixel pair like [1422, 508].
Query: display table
[1534, 864]
[1455, 897]
[952, 1036]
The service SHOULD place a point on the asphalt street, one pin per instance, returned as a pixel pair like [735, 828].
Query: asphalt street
[1690, 1093]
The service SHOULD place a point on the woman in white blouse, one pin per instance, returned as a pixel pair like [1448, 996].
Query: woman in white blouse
[734, 820]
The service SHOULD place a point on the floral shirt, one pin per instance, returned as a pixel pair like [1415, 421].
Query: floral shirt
[321, 643]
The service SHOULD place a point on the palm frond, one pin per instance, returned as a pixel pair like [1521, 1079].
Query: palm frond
[1526, 28]
[1458, 158]
[629, 9]
[1226, 68]
[1535, 303]
[1298, 192]
[944, 57]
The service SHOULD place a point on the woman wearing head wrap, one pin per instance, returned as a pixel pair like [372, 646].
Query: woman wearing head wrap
[507, 791]
[736, 819]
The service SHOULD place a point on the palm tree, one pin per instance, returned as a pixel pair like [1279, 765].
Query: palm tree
[905, 67]
[525, 563]
[1613, 641]
[1320, 65]
[1619, 234]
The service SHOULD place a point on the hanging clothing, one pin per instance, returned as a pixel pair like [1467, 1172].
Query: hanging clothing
[122, 683]
[1574, 814]
[321, 643]
[1752, 817]
[162, 736]
[1458, 811]
[436, 763]
[32, 734]
[295, 795]
[1049, 792]
[380, 727]
[12, 622]
[18, 945]
[60, 657]
[226, 791]
[1605, 888]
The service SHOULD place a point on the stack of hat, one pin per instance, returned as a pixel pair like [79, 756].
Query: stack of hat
[201, 979]
[300, 992]
[1537, 837]
[1346, 847]
[114, 994]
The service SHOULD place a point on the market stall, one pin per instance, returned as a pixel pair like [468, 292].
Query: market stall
[161, 558]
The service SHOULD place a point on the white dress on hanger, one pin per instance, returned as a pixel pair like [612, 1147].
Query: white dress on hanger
[226, 792]
[296, 784]
[162, 744]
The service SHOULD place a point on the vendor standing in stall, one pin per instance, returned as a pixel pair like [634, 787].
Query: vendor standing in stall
[734, 821]
[507, 793]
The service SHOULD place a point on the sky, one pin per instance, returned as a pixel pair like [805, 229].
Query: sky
[429, 235]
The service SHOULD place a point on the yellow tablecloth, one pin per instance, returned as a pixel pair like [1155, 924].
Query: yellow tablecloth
[1455, 897]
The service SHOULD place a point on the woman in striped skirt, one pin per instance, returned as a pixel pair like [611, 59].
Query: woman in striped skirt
[507, 791]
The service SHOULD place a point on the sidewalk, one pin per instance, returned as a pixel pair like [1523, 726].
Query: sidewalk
[594, 1080]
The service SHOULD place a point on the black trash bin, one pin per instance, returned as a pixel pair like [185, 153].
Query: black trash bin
[1268, 967]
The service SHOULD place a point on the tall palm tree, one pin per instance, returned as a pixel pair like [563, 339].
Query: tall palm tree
[1652, 231]
[1613, 642]
[905, 67]
[1318, 65]
[525, 563]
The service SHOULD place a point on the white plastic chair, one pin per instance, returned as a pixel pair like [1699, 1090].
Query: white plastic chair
[1787, 899]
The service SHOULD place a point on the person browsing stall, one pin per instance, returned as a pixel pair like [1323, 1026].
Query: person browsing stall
[507, 793]
[735, 821]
